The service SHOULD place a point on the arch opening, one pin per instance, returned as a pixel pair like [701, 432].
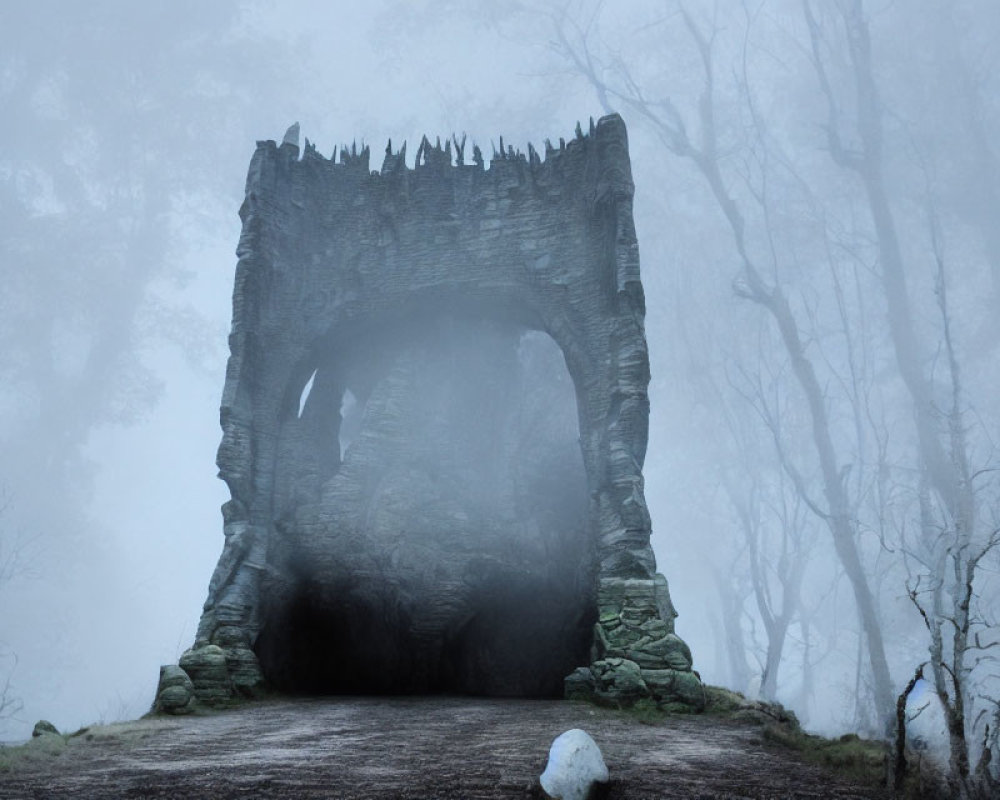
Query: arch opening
[448, 547]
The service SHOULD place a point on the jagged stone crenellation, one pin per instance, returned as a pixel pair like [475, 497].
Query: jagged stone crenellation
[435, 155]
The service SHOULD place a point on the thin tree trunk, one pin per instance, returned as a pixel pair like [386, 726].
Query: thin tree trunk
[735, 646]
[839, 516]
[899, 760]
[775, 649]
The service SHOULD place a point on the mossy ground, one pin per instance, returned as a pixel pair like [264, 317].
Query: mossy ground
[646, 712]
[857, 759]
[862, 759]
[32, 752]
[371, 748]
[46, 747]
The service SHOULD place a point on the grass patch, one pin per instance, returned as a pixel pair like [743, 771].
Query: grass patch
[861, 759]
[44, 748]
[646, 712]
[719, 702]
[723, 702]
[34, 751]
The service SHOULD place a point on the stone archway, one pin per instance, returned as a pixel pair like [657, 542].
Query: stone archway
[335, 258]
[449, 549]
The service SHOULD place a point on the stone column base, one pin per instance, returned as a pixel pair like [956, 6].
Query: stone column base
[636, 654]
[220, 674]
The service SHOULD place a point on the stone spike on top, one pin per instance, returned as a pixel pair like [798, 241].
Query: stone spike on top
[459, 149]
[440, 153]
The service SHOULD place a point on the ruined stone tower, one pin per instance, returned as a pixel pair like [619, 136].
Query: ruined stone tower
[410, 511]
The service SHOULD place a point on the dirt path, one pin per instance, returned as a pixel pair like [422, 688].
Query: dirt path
[411, 748]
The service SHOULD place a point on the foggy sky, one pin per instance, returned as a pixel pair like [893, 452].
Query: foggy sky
[155, 108]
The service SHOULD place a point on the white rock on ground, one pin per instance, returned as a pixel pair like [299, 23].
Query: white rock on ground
[575, 765]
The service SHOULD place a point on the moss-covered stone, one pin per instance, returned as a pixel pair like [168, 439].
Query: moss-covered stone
[668, 650]
[37, 750]
[209, 673]
[635, 624]
[725, 702]
[675, 690]
[245, 674]
[43, 727]
[175, 691]
[580, 684]
[619, 681]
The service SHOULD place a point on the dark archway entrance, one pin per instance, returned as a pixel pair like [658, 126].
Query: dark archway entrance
[449, 549]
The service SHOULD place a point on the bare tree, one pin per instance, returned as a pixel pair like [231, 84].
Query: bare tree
[945, 595]
[759, 587]
[774, 527]
[10, 704]
[706, 155]
[953, 536]
[74, 328]
[733, 590]
[10, 562]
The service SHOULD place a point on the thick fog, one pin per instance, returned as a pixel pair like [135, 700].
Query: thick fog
[819, 229]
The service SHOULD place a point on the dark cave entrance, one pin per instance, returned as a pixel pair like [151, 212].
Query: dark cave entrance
[433, 526]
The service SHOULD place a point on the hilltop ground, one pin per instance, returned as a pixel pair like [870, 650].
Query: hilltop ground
[438, 747]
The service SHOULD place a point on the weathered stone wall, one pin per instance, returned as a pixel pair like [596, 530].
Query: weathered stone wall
[333, 259]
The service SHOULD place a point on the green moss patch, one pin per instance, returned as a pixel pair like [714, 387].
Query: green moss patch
[36, 750]
[723, 702]
[49, 746]
[862, 759]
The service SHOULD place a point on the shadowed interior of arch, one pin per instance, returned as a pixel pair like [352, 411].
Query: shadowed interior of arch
[435, 525]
